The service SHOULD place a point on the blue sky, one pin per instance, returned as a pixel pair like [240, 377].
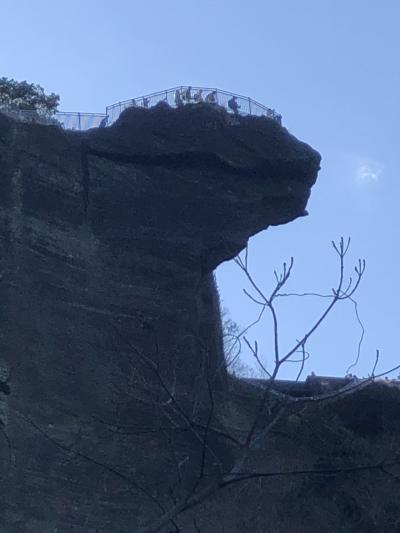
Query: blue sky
[330, 67]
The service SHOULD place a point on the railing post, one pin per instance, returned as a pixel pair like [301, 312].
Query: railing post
[79, 121]
[249, 106]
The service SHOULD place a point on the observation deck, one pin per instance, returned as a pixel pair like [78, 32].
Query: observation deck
[175, 97]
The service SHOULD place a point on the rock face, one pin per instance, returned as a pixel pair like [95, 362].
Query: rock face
[108, 241]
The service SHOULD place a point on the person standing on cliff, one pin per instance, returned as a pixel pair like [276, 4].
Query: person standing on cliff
[211, 98]
[188, 94]
[232, 104]
[198, 96]
[104, 122]
[178, 99]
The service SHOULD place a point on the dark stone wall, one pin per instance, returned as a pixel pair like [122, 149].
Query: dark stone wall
[108, 240]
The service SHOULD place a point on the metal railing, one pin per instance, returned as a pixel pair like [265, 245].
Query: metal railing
[81, 121]
[67, 121]
[182, 95]
[175, 97]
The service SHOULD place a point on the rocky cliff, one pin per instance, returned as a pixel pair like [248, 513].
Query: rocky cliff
[108, 240]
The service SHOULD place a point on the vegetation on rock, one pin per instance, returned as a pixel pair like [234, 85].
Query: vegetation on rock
[24, 96]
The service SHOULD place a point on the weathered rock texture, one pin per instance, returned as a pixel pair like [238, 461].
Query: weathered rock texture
[108, 240]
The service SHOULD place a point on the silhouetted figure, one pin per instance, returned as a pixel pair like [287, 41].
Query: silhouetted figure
[133, 103]
[104, 122]
[198, 96]
[211, 97]
[146, 102]
[188, 94]
[178, 98]
[232, 104]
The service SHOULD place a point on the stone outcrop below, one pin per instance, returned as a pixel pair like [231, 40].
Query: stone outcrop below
[108, 241]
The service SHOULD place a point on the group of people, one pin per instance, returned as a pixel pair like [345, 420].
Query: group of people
[184, 96]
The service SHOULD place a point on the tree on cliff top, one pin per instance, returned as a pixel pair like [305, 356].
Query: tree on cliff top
[25, 96]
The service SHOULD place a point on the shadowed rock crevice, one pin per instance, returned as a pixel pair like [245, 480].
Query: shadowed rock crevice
[108, 240]
[5, 388]
[85, 181]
